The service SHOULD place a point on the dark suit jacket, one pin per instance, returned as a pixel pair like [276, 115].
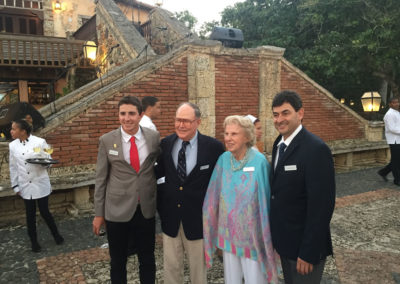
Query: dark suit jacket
[302, 199]
[177, 202]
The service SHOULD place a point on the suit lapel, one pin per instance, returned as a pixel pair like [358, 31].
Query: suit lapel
[170, 145]
[117, 141]
[291, 148]
[274, 154]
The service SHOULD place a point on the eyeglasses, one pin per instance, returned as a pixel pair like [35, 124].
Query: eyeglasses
[185, 122]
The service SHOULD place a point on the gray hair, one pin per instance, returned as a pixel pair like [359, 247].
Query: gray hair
[197, 112]
[244, 123]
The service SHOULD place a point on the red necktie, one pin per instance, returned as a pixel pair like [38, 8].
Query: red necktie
[134, 155]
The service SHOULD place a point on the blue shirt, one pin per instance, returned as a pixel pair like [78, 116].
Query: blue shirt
[191, 153]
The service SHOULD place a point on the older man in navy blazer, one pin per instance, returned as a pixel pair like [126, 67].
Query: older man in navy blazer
[184, 170]
[302, 194]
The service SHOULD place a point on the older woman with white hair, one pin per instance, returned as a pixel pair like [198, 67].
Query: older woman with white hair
[235, 210]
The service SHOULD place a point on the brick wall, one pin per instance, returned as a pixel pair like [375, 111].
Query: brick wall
[322, 116]
[237, 92]
[236, 88]
[76, 141]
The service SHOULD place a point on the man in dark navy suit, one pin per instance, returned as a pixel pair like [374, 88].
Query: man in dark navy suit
[184, 170]
[302, 194]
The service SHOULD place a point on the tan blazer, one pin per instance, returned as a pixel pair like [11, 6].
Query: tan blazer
[117, 183]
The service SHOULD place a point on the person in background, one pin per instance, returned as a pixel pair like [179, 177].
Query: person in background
[392, 133]
[125, 191]
[31, 181]
[235, 210]
[258, 132]
[184, 170]
[151, 110]
[302, 194]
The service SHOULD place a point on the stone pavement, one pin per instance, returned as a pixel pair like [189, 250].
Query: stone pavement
[365, 232]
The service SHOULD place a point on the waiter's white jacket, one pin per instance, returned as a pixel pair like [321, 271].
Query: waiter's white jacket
[392, 126]
[30, 180]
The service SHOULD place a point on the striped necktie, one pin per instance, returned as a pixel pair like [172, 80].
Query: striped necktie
[182, 161]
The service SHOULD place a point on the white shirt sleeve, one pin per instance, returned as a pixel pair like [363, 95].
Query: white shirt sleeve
[13, 171]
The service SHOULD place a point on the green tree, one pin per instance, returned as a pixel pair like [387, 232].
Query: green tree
[187, 19]
[207, 28]
[347, 46]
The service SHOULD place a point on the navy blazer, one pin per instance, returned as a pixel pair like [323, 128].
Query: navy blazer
[302, 199]
[182, 202]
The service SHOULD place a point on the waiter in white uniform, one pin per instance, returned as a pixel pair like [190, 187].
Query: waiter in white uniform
[31, 181]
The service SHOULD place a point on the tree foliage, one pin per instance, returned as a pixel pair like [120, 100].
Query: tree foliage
[187, 19]
[348, 46]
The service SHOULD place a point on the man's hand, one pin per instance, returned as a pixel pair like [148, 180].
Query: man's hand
[98, 221]
[303, 267]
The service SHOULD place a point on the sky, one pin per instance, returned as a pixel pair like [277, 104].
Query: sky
[203, 10]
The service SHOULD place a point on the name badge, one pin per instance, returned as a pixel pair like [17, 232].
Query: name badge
[290, 168]
[161, 180]
[248, 169]
[205, 167]
[113, 152]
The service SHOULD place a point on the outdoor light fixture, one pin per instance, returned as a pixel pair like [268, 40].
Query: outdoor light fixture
[57, 6]
[371, 101]
[342, 100]
[90, 50]
[159, 3]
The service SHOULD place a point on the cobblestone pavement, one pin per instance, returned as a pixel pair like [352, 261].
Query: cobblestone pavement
[365, 231]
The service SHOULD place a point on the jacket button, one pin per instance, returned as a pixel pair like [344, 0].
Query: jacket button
[180, 188]
[30, 181]
[28, 173]
[272, 197]
[179, 206]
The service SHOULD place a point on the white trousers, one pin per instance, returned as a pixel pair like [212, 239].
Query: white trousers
[235, 268]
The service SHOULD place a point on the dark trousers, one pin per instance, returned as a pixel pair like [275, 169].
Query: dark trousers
[395, 162]
[292, 277]
[385, 170]
[143, 233]
[30, 209]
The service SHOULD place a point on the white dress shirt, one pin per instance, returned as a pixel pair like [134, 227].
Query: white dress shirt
[30, 180]
[147, 122]
[287, 142]
[392, 126]
[143, 150]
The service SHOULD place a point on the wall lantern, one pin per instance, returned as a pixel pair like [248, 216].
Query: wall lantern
[57, 6]
[159, 3]
[371, 101]
[90, 50]
[342, 100]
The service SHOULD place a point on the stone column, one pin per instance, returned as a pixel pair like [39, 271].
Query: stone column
[270, 84]
[81, 198]
[201, 89]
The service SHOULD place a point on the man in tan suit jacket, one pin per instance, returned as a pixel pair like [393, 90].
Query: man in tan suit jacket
[125, 197]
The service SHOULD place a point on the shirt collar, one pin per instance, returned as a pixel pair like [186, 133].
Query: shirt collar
[127, 137]
[192, 141]
[291, 137]
[26, 140]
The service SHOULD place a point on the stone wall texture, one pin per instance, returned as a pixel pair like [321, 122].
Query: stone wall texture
[237, 91]
[76, 141]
